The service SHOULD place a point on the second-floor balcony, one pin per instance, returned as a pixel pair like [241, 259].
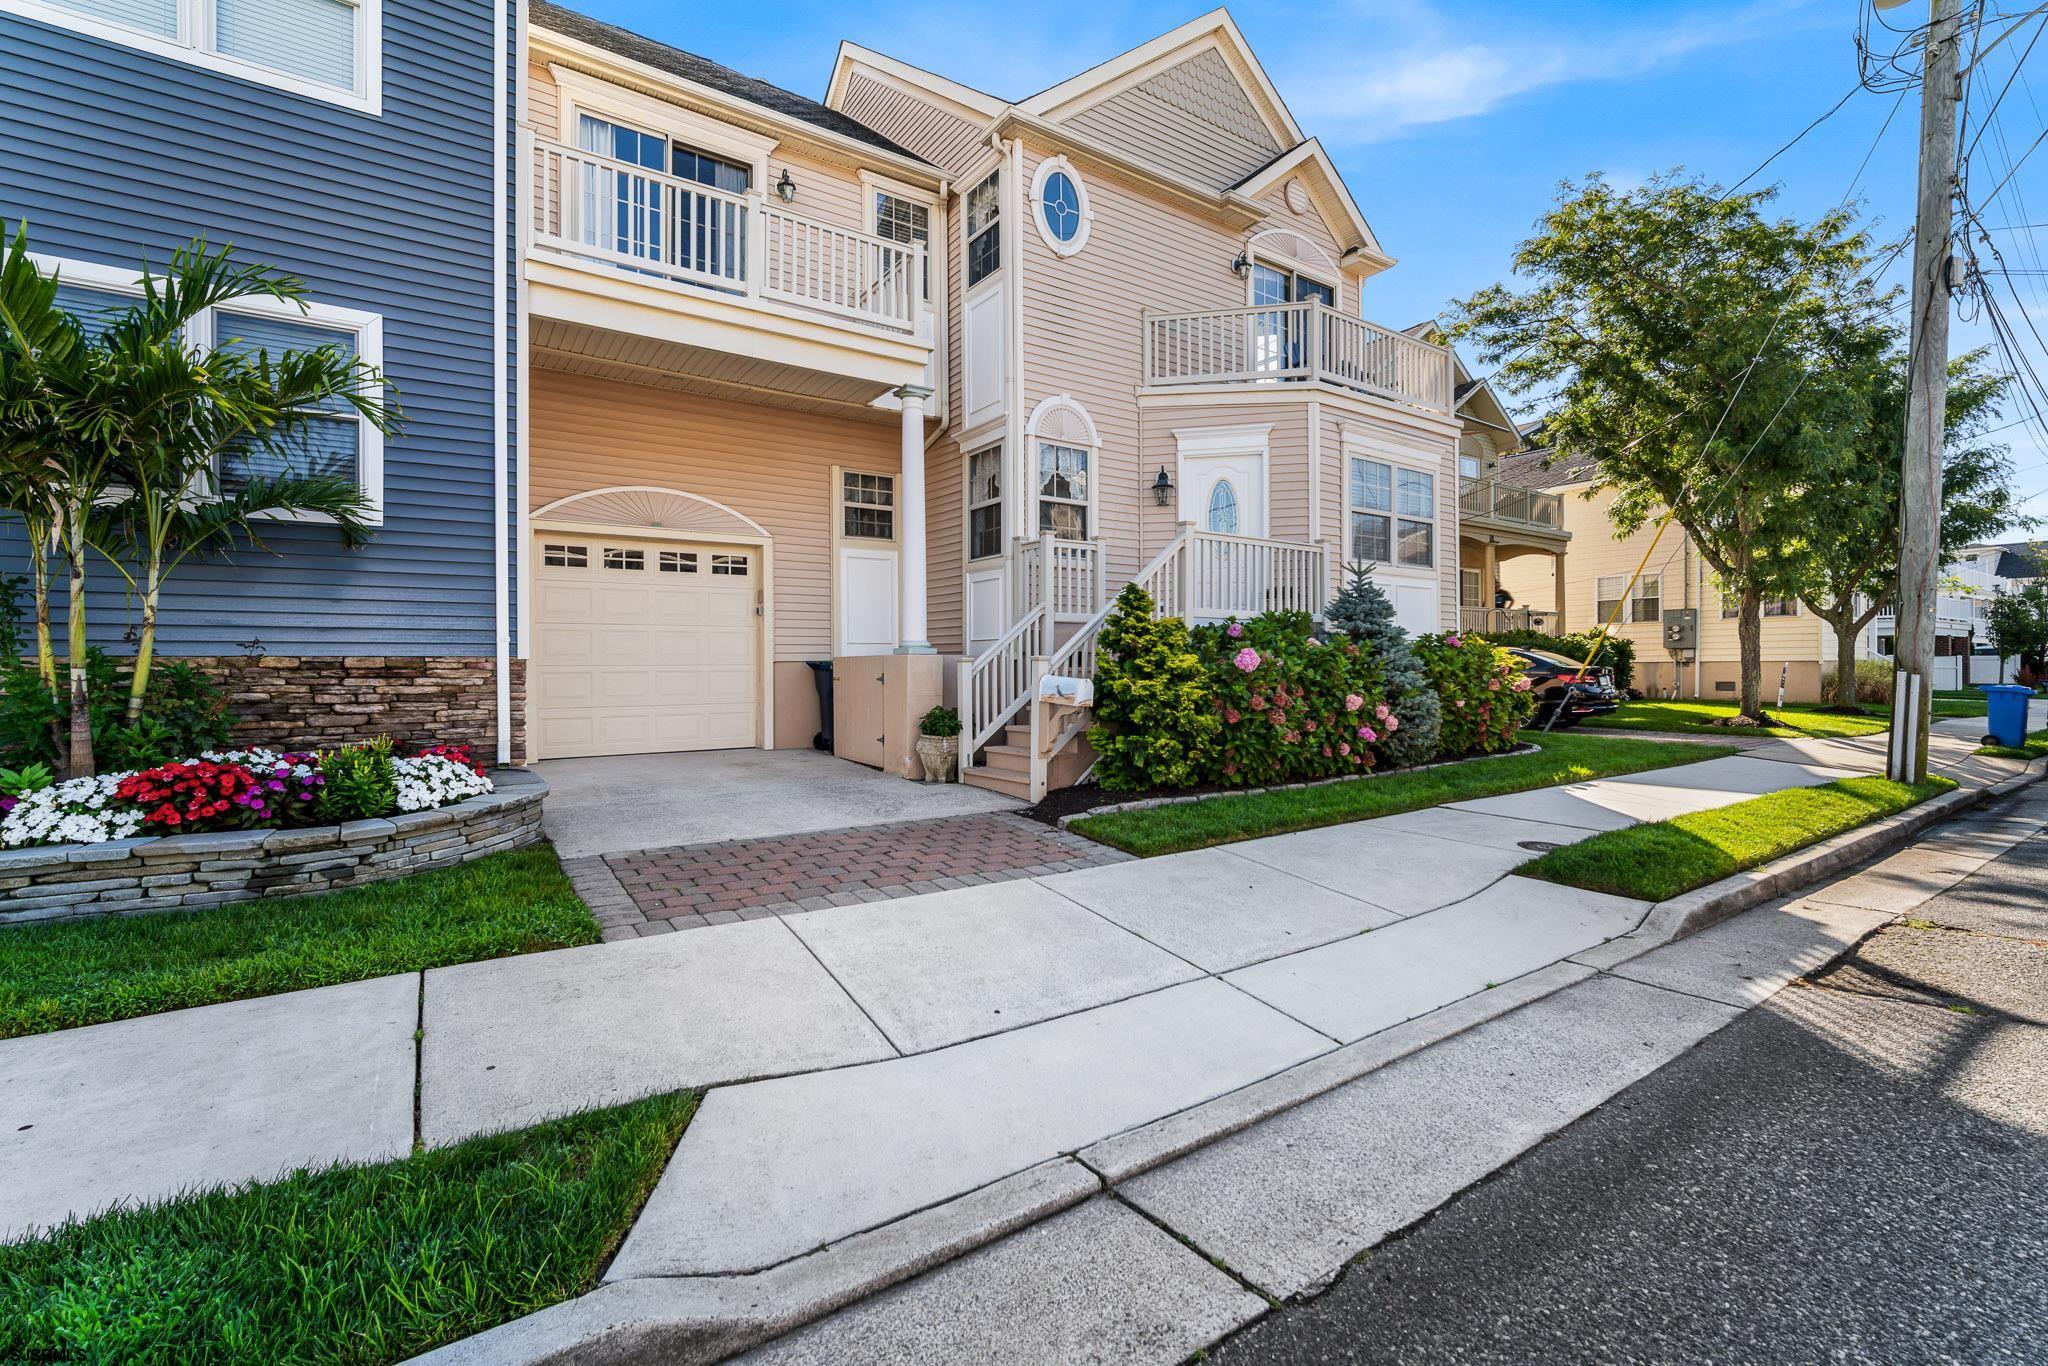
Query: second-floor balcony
[740, 246]
[1297, 342]
[1487, 499]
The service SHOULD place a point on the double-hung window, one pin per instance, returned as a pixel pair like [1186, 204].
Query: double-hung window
[1731, 606]
[1647, 606]
[985, 503]
[331, 438]
[984, 229]
[868, 506]
[1063, 491]
[1393, 514]
[909, 222]
[324, 48]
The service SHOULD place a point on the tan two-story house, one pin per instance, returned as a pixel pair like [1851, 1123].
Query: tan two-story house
[914, 380]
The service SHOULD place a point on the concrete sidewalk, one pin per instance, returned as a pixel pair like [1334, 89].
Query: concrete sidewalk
[919, 1049]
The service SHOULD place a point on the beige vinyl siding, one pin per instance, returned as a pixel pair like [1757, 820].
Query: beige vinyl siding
[1192, 118]
[1596, 552]
[543, 101]
[826, 192]
[1084, 332]
[770, 464]
[943, 139]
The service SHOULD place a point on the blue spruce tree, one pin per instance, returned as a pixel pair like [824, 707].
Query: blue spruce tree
[1362, 612]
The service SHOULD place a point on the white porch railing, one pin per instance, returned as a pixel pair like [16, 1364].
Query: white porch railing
[1199, 576]
[1488, 497]
[1242, 576]
[1301, 341]
[1074, 587]
[597, 208]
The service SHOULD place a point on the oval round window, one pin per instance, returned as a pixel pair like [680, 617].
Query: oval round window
[1223, 508]
[1060, 202]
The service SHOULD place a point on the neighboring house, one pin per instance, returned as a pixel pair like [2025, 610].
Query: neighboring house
[1503, 516]
[357, 145]
[1155, 366]
[1961, 622]
[1595, 588]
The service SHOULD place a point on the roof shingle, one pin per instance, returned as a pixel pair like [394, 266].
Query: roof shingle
[704, 72]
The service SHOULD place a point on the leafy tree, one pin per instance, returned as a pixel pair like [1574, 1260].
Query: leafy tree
[1360, 610]
[1842, 556]
[193, 407]
[2019, 626]
[1700, 352]
[112, 441]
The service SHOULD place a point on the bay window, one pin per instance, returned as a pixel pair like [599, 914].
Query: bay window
[985, 503]
[984, 229]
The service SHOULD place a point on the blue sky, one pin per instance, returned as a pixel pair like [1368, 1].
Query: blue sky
[1453, 120]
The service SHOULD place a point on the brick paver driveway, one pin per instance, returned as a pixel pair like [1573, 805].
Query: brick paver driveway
[657, 890]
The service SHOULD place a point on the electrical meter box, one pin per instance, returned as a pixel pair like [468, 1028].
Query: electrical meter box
[1682, 630]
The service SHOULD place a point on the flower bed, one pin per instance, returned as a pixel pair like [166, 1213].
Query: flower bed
[240, 790]
[143, 872]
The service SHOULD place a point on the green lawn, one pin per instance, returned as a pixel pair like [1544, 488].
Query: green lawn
[83, 972]
[2035, 746]
[1661, 859]
[349, 1264]
[1225, 819]
[1799, 720]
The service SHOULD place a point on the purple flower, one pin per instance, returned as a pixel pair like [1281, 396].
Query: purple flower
[1352, 702]
[1236, 632]
[1247, 659]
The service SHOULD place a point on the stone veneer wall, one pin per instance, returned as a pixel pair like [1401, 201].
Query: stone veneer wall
[314, 702]
[185, 872]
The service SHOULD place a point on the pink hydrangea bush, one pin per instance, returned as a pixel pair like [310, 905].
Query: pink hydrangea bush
[1483, 706]
[1289, 704]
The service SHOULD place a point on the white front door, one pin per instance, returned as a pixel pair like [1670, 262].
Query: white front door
[1224, 493]
[644, 646]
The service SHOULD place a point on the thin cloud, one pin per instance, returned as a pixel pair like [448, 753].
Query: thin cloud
[1429, 73]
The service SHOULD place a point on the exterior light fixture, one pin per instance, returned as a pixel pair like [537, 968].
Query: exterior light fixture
[785, 188]
[1162, 488]
[1242, 265]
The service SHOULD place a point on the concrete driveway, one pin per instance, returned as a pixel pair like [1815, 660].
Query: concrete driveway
[655, 801]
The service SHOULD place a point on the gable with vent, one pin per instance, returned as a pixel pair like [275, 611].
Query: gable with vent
[1193, 117]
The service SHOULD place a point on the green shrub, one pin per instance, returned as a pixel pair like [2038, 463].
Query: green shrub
[940, 722]
[1293, 707]
[1616, 652]
[1155, 720]
[1362, 612]
[184, 714]
[1485, 697]
[1873, 683]
[359, 782]
[15, 638]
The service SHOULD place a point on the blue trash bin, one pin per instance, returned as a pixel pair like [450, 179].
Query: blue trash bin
[2006, 708]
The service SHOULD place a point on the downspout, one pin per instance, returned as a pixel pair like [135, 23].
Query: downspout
[522, 367]
[1013, 229]
[500, 411]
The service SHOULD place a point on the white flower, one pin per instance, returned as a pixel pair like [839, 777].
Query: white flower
[72, 812]
[431, 780]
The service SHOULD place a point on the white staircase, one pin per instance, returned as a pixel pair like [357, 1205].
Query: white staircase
[1018, 743]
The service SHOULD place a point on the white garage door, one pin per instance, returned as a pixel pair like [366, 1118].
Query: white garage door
[642, 647]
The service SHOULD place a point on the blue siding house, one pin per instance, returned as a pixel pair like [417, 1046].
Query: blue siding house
[364, 147]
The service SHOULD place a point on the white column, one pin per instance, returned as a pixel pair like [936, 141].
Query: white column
[910, 628]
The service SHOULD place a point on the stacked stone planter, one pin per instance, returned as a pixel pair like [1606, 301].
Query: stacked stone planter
[185, 872]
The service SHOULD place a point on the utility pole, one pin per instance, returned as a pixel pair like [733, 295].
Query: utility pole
[1927, 397]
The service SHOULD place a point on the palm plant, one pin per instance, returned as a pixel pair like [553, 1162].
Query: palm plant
[196, 406]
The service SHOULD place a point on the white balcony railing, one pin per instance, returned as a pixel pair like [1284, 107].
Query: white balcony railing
[1488, 497]
[600, 209]
[1076, 586]
[1304, 341]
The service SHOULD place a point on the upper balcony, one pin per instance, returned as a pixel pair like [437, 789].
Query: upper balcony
[1300, 342]
[1488, 500]
[622, 248]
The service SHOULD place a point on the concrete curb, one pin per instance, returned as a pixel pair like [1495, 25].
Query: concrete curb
[689, 1320]
[685, 1321]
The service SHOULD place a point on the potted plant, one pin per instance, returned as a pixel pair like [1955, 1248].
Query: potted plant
[938, 744]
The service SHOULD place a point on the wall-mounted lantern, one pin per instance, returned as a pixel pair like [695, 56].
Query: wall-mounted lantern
[785, 188]
[1162, 488]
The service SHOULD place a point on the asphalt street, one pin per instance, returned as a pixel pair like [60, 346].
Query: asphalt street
[1857, 1171]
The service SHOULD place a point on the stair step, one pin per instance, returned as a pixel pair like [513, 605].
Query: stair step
[1016, 785]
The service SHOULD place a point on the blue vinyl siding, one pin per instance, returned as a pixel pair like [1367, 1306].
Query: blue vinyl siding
[111, 154]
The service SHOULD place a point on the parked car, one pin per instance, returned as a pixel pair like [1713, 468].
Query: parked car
[1563, 689]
